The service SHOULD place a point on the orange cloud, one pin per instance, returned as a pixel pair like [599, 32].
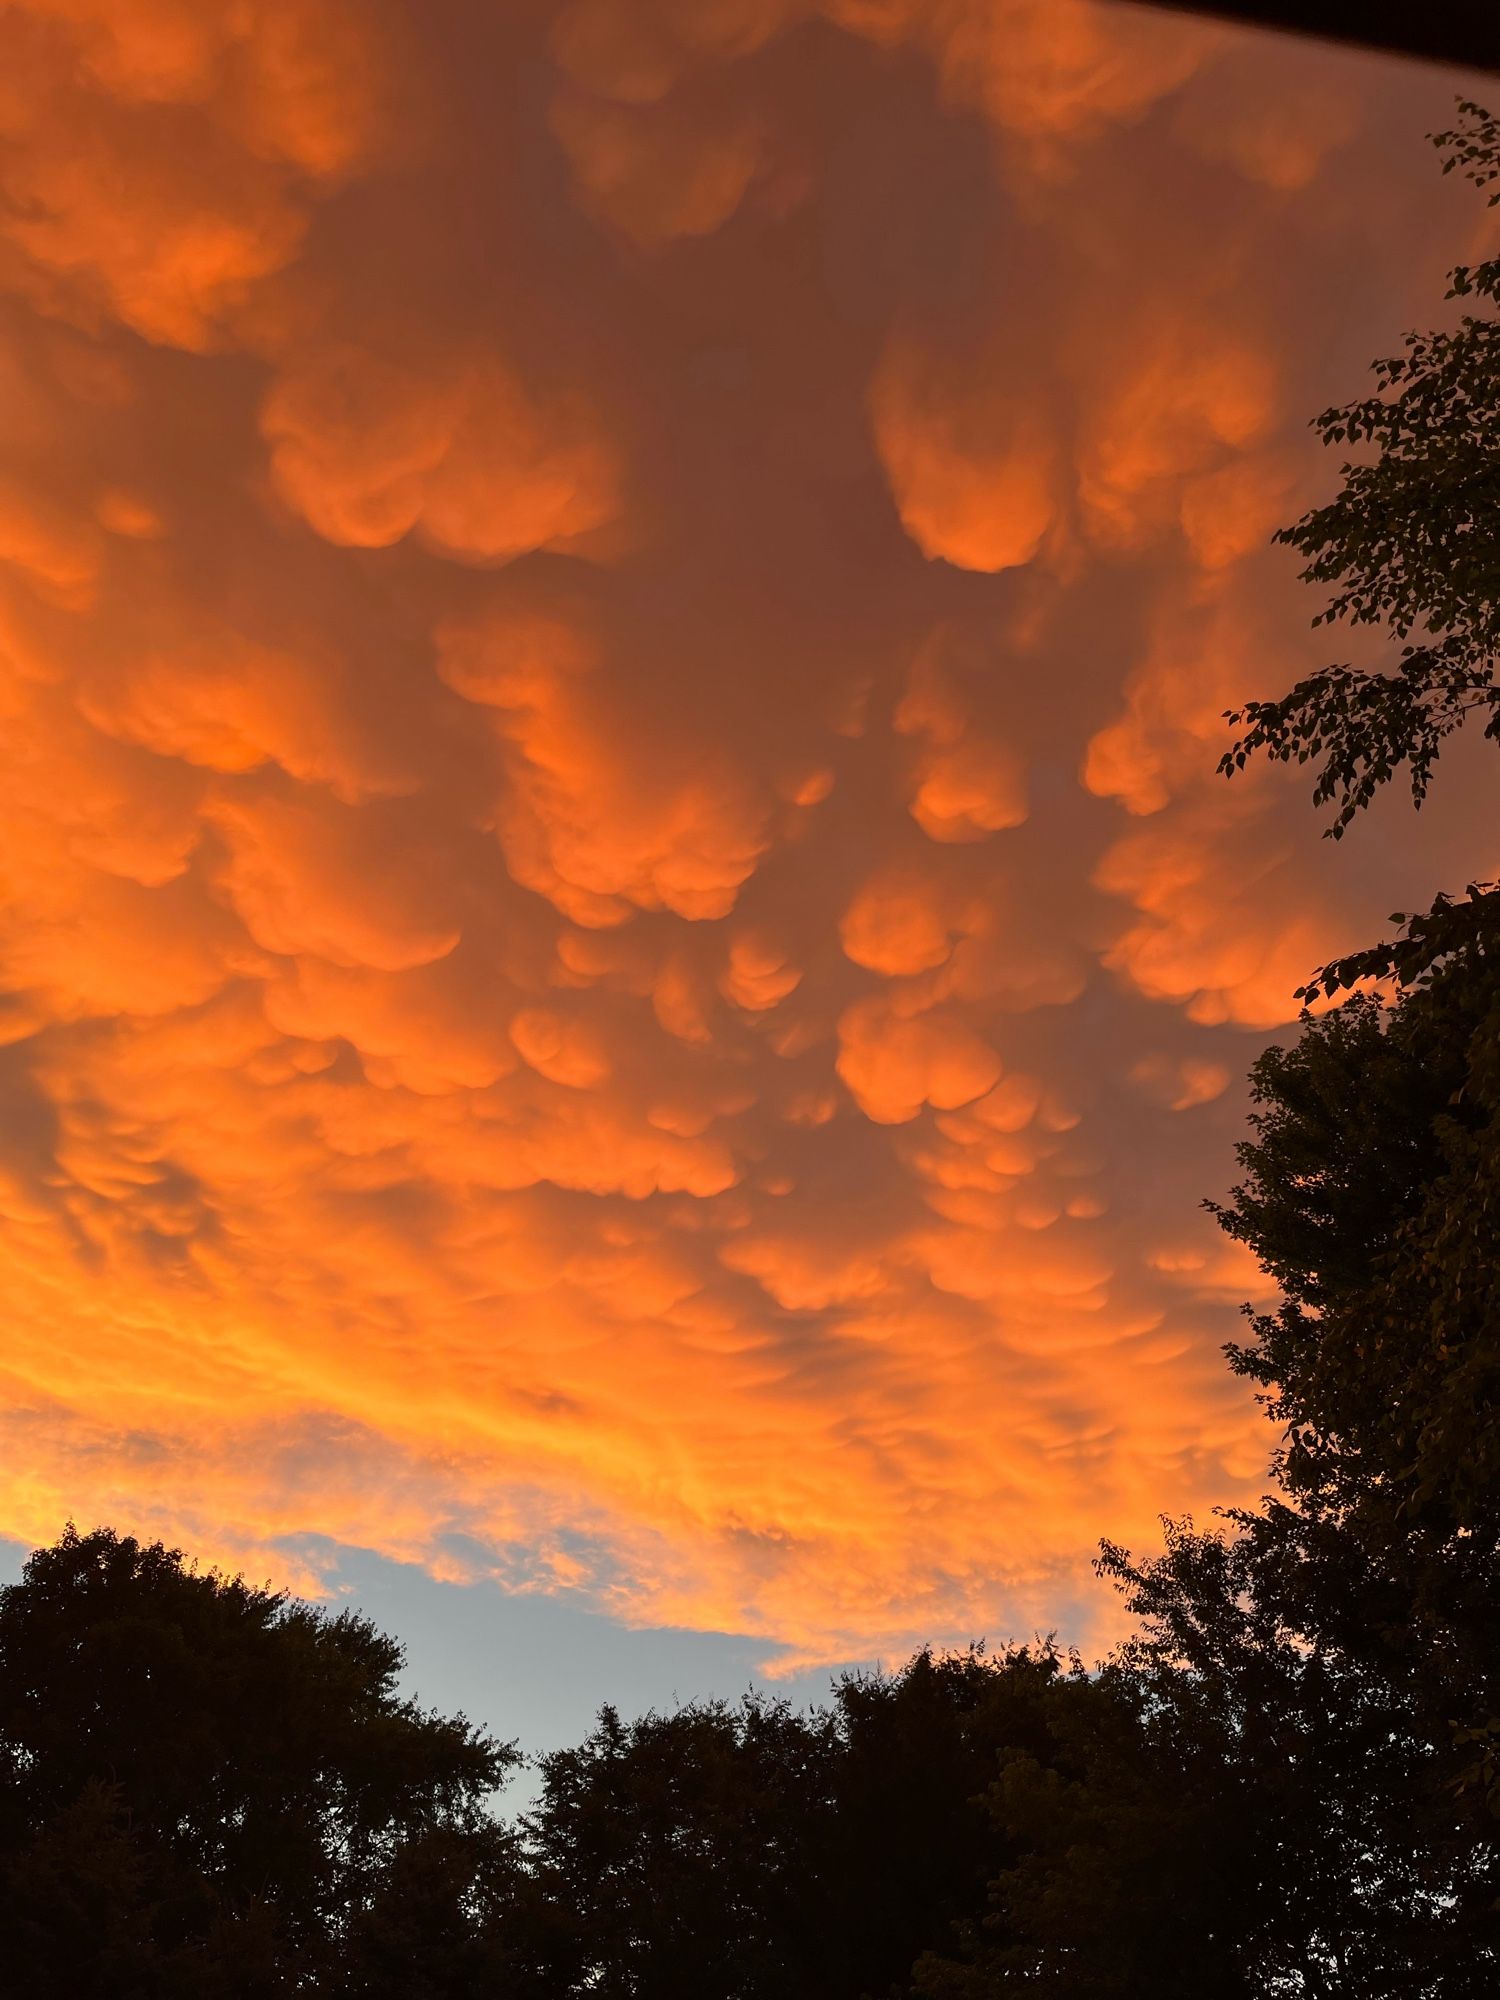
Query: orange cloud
[758, 975]
[1185, 394]
[973, 478]
[636, 50]
[99, 108]
[895, 1063]
[1202, 652]
[369, 449]
[895, 925]
[618, 937]
[1275, 125]
[967, 784]
[1229, 945]
[576, 813]
[341, 883]
[1043, 69]
[657, 174]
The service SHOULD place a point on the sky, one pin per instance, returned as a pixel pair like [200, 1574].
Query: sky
[623, 963]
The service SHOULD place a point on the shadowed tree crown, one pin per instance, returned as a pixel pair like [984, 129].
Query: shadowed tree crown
[1411, 542]
[202, 1782]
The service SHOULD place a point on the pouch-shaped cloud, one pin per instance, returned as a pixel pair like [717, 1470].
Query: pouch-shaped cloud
[1202, 652]
[1180, 1082]
[635, 51]
[343, 883]
[758, 974]
[968, 783]
[662, 143]
[662, 172]
[213, 698]
[973, 470]
[895, 924]
[593, 810]
[1186, 392]
[1224, 947]
[1274, 134]
[895, 1062]
[619, 936]
[416, 1028]
[101, 106]
[369, 448]
[1042, 69]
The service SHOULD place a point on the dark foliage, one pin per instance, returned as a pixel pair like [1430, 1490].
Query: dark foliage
[1372, 1194]
[1343, 1640]
[756, 1854]
[1310, 1794]
[1119, 1857]
[212, 1791]
[201, 1782]
[1365, 1871]
[1411, 543]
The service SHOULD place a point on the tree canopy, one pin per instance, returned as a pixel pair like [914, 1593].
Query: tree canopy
[203, 1780]
[1411, 543]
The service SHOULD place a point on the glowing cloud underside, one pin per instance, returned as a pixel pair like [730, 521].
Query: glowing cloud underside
[618, 935]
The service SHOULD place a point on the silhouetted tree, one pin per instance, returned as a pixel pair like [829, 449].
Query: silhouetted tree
[444, 1921]
[1281, 1640]
[1411, 542]
[1372, 1195]
[1343, 1640]
[681, 1853]
[202, 1783]
[1122, 1855]
[917, 1843]
[751, 1853]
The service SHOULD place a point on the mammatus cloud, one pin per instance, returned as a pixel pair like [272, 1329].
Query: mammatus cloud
[454, 446]
[619, 939]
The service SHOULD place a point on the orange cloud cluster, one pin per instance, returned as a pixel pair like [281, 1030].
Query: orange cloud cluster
[618, 938]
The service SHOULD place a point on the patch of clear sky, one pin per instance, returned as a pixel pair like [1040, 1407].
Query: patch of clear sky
[532, 1669]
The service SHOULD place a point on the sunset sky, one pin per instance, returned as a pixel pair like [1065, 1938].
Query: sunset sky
[623, 961]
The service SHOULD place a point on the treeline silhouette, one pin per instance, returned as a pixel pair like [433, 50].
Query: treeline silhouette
[1286, 1783]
